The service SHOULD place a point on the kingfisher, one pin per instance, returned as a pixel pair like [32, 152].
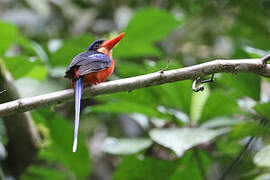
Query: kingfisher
[90, 67]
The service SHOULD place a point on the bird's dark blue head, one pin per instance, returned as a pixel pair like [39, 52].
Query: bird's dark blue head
[105, 47]
[95, 45]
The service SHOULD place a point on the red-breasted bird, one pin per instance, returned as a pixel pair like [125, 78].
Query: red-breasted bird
[93, 66]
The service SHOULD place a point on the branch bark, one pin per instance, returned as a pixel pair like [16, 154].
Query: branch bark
[257, 66]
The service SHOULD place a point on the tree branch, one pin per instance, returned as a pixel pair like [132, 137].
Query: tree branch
[256, 66]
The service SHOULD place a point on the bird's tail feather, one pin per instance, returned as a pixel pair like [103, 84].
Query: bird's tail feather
[78, 95]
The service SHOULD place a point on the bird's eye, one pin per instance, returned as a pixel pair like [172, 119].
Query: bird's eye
[97, 45]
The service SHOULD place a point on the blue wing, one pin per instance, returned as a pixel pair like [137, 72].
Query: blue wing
[87, 62]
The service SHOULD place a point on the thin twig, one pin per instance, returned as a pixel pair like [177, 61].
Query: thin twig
[129, 84]
[166, 67]
[237, 159]
[264, 123]
[209, 80]
[201, 87]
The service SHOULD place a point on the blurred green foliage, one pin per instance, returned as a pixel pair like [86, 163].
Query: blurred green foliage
[22, 66]
[8, 35]
[141, 36]
[163, 132]
[148, 168]
[70, 48]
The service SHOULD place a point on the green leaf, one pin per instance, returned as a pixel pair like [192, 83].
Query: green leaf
[147, 27]
[221, 122]
[228, 147]
[37, 72]
[248, 28]
[218, 104]
[61, 133]
[26, 45]
[32, 48]
[128, 69]
[181, 139]
[175, 95]
[247, 129]
[146, 168]
[242, 84]
[8, 35]
[262, 158]
[43, 173]
[39, 51]
[189, 165]
[126, 107]
[263, 109]
[198, 100]
[22, 66]
[125, 145]
[70, 48]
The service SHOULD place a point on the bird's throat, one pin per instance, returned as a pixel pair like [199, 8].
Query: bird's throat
[105, 51]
